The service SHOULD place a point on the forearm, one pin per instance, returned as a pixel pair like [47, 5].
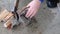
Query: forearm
[39, 0]
[36, 0]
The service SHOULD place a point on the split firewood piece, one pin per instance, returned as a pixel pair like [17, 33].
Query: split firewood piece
[8, 24]
[3, 14]
[8, 16]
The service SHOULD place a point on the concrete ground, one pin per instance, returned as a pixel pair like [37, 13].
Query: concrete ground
[48, 20]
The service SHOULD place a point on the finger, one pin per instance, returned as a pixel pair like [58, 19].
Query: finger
[28, 13]
[28, 5]
[33, 14]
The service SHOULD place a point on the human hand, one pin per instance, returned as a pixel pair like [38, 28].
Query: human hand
[34, 6]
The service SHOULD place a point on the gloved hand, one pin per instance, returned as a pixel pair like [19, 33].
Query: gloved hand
[34, 6]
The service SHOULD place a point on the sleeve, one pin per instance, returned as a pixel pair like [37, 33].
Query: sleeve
[42, 1]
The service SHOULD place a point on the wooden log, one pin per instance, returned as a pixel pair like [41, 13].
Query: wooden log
[8, 16]
[3, 14]
[8, 24]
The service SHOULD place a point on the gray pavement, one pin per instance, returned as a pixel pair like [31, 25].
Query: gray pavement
[48, 20]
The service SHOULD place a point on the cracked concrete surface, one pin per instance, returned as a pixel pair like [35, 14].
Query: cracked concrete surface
[48, 20]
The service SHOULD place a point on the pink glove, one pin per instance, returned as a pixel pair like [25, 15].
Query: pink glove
[34, 6]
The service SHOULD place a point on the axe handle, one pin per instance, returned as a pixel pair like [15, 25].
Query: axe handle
[15, 9]
[16, 5]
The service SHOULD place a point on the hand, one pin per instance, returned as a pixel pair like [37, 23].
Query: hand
[34, 6]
